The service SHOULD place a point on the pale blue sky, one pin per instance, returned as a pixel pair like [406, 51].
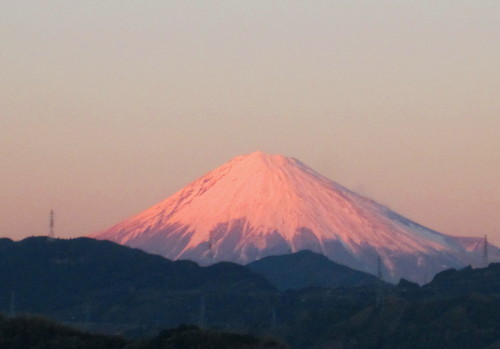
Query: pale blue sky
[107, 107]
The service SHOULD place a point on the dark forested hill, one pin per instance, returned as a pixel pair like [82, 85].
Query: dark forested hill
[308, 269]
[102, 286]
[77, 279]
[466, 281]
[38, 332]
[82, 265]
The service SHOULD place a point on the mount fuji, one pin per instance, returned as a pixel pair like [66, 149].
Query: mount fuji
[259, 205]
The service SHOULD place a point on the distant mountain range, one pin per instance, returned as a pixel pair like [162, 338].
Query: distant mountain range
[261, 205]
[102, 286]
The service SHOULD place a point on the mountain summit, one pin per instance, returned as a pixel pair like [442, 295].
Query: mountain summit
[259, 205]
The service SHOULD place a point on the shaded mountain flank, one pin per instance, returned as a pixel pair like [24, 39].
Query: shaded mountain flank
[308, 269]
[86, 280]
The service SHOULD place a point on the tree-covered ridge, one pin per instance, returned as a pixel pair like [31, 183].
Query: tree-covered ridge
[40, 333]
[101, 286]
[308, 269]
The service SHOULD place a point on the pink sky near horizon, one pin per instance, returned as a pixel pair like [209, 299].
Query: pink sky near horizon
[108, 107]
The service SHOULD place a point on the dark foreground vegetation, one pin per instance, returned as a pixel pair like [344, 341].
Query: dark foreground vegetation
[106, 288]
[40, 333]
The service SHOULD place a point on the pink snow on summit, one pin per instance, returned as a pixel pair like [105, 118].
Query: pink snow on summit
[258, 205]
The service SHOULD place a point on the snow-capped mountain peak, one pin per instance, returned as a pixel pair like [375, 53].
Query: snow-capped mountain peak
[258, 205]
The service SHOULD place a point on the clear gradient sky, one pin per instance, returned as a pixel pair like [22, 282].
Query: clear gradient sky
[107, 107]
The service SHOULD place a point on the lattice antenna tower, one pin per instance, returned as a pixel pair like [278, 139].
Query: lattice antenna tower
[51, 224]
[485, 251]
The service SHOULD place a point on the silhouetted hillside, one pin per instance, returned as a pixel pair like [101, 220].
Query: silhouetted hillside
[5, 242]
[466, 322]
[192, 337]
[41, 333]
[308, 269]
[82, 265]
[102, 286]
[467, 280]
[68, 279]
[458, 309]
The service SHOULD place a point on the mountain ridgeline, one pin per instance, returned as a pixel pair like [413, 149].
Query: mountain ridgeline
[261, 205]
[105, 287]
[67, 278]
[308, 269]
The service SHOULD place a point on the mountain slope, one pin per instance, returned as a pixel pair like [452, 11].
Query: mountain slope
[467, 280]
[259, 205]
[61, 277]
[114, 289]
[308, 269]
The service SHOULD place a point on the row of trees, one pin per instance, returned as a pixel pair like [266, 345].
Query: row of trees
[35, 332]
